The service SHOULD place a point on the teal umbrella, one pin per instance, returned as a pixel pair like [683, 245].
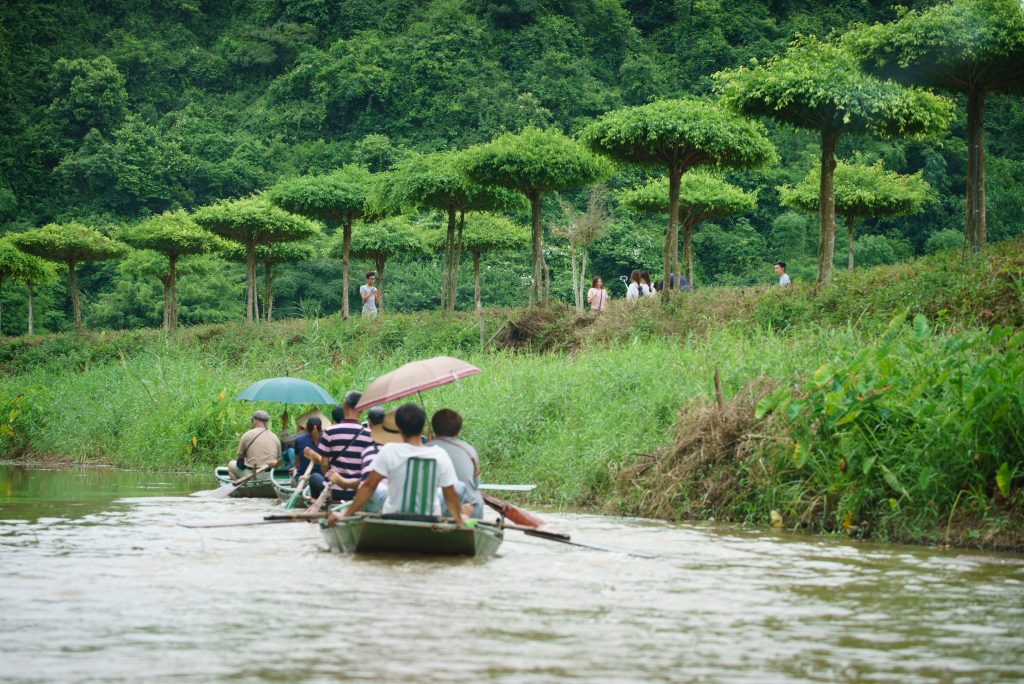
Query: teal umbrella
[286, 391]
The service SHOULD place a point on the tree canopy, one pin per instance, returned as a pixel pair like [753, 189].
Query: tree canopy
[862, 191]
[382, 240]
[679, 135]
[819, 86]
[535, 161]
[71, 244]
[254, 221]
[972, 47]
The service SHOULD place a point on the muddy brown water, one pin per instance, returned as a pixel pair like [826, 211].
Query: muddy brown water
[98, 583]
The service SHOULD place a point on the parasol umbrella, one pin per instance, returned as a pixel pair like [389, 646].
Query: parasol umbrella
[414, 377]
[286, 390]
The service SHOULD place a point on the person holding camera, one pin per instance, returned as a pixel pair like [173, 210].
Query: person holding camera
[370, 295]
[633, 289]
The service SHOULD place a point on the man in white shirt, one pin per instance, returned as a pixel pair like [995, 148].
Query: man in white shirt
[390, 464]
[780, 270]
[370, 295]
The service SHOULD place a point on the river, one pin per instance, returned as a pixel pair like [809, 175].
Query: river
[98, 583]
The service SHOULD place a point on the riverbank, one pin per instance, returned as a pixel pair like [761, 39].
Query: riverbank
[887, 406]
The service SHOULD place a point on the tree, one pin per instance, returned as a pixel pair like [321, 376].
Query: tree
[703, 196]
[974, 47]
[679, 135]
[254, 221]
[172, 234]
[818, 86]
[383, 239]
[487, 232]
[71, 244]
[87, 94]
[437, 181]
[534, 162]
[20, 267]
[268, 256]
[339, 198]
[580, 230]
[861, 190]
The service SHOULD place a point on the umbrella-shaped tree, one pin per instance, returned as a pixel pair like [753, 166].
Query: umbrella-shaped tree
[19, 267]
[487, 232]
[268, 256]
[338, 198]
[679, 135]
[173, 234]
[862, 191]
[254, 221]
[70, 244]
[383, 239]
[437, 181]
[703, 196]
[818, 86]
[973, 47]
[581, 229]
[533, 162]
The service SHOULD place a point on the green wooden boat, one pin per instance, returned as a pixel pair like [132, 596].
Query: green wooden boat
[283, 488]
[259, 487]
[374, 533]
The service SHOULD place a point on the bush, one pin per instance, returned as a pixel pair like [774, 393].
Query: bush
[947, 238]
[874, 250]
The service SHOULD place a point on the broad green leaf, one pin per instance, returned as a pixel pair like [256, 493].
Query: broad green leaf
[1003, 479]
[891, 479]
[869, 462]
[801, 452]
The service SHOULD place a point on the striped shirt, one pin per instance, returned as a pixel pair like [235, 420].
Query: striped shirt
[344, 443]
[368, 454]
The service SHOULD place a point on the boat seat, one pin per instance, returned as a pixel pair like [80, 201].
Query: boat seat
[413, 518]
[420, 488]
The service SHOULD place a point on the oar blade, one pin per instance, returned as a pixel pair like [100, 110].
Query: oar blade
[508, 487]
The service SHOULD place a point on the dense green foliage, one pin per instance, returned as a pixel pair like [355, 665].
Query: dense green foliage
[117, 111]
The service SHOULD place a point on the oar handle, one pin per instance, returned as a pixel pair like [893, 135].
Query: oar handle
[243, 480]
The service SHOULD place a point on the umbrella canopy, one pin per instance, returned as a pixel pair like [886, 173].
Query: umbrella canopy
[414, 377]
[286, 391]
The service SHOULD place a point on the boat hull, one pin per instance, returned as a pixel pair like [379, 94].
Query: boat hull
[259, 487]
[376, 534]
[283, 488]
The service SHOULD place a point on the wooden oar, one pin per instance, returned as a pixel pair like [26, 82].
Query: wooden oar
[297, 494]
[230, 487]
[324, 495]
[267, 520]
[516, 514]
[563, 538]
[509, 487]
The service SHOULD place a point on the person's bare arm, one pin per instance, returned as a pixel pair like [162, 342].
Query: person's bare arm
[363, 494]
[452, 500]
[341, 481]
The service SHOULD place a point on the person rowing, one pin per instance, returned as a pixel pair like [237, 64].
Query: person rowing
[340, 451]
[257, 447]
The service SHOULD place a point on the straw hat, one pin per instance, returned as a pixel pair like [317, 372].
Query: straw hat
[314, 413]
[383, 429]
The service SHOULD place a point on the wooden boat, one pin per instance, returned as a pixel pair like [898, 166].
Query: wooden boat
[259, 487]
[283, 488]
[374, 533]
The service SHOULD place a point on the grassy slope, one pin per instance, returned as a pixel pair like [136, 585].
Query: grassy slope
[571, 407]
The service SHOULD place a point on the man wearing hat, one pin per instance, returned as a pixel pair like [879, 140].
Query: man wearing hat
[257, 447]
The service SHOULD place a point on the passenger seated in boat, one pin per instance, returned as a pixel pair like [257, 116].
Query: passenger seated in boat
[341, 446]
[447, 424]
[307, 438]
[383, 430]
[257, 447]
[391, 462]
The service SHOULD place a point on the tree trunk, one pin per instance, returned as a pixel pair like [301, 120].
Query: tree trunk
[379, 262]
[346, 248]
[166, 282]
[31, 323]
[75, 307]
[250, 279]
[546, 290]
[449, 249]
[537, 289]
[687, 251]
[575, 278]
[583, 278]
[827, 207]
[268, 292]
[476, 277]
[456, 263]
[172, 319]
[1, 308]
[671, 264]
[976, 228]
[849, 242]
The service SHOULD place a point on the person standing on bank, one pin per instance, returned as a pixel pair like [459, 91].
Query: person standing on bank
[646, 286]
[780, 270]
[597, 296]
[633, 289]
[370, 295]
[257, 447]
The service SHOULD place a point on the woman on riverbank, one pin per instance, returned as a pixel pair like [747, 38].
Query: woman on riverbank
[597, 296]
[633, 289]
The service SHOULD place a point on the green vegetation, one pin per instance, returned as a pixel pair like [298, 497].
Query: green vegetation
[574, 403]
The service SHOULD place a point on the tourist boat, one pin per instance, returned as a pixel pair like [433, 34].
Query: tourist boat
[375, 533]
[281, 480]
[259, 487]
